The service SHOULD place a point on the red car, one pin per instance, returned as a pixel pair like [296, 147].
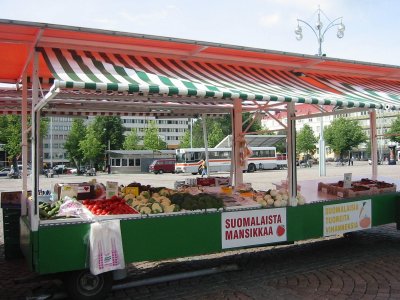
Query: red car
[160, 166]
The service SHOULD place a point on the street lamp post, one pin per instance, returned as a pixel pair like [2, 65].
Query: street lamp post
[318, 30]
[320, 34]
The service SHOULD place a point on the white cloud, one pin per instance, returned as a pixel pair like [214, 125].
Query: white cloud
[269, 20]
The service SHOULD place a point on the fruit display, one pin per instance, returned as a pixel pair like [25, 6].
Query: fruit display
[163, 200]
[276, 198]
[146, 200]
[112, 206]
[362, 187]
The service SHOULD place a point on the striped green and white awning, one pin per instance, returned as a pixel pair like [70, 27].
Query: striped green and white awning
[383, 92]
[100, 71]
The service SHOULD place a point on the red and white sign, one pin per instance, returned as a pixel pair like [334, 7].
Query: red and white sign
[83, 189]
[253, 227]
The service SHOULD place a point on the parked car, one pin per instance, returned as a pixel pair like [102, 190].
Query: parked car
[160, 166]
[370, 162]
[90, 172]
[4, 172]
[71, 170]
[59, 169]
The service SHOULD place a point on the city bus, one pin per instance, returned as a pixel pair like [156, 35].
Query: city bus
[188, 160]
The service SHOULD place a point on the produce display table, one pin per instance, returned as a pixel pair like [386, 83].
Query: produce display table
[186, 233]
[309, 188]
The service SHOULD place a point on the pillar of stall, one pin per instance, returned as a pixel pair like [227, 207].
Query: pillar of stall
[205, 138]
[35, 118]
[374, 143]
[24, 145]
[291, 153]
[237, 141]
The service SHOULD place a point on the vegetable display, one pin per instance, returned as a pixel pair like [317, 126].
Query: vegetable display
[49, 210]
[276, 198]
[113, 206]
[146, 200]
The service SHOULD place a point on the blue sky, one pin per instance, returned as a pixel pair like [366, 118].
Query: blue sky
[372, 26]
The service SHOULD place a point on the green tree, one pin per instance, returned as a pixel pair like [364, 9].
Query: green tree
[151, 140]
[394, 131]
[11, 136]
[215, 136]
[110, 130]
[131, 140]
[185, 140]
[306, 140]
[77, 133]
[281, 146]
[344, 134]
[91, 146]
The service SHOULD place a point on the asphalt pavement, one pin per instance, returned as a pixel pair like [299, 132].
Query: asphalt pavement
[362, 265]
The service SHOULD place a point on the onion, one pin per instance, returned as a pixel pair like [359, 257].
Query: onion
[273, 193]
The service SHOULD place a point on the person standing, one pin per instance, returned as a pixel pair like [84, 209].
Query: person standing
[203, 167]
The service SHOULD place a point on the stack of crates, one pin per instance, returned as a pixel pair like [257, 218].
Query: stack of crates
[11, 205]
[11, 217]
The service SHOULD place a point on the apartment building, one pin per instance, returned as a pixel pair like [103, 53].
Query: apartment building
[54, 140]
[170, 131]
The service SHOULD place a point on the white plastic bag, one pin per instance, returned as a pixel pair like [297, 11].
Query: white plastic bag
[106, 250]
[74, 208]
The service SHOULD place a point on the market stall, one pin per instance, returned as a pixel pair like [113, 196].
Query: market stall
[63, 72]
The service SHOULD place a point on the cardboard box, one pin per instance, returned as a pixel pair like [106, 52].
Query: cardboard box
[206, 181]
[11, 198]
[83, 190]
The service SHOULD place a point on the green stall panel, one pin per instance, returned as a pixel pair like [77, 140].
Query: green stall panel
[164, 237]
[62, 248]
[27, 240]
[384, 208]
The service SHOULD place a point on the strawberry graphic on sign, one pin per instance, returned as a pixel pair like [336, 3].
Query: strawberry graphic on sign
[280, 230]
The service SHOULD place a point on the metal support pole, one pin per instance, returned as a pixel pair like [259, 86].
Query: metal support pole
[191, 133]
[205, 135]
[51, 142]
[237, 141]
[374, 143]
[109, 153]
[322, 168]
[24, 133]
[291, 154]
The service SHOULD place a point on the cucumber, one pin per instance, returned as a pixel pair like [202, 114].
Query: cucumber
[53, 212]
[43, 214]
